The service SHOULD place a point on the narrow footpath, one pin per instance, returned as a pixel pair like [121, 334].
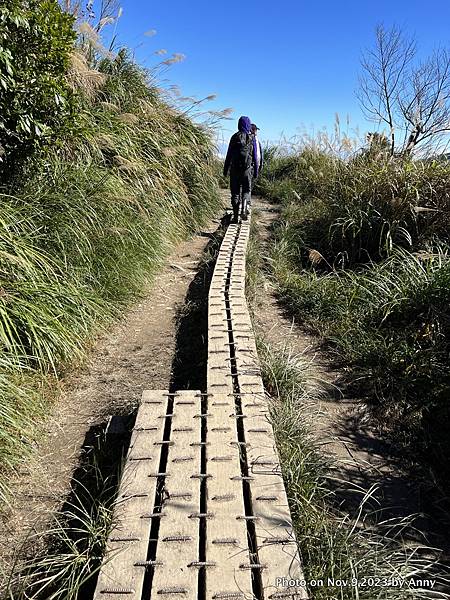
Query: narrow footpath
[202, 511]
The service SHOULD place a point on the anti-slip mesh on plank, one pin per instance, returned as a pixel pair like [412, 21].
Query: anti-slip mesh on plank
[202, 511]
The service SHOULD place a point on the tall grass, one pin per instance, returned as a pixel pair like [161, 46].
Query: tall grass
[63, 562]
[334, 544]
[87, 224]
[390, 323]
[347, 541]
[361, 257]
[353, 211]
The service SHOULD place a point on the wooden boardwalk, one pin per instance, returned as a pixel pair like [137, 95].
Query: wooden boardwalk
[202, 512]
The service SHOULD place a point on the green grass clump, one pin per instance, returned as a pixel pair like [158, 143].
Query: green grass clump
[88, 219]
[335, 544]
[390, 323]
[347, 541]
[63, 562]
[355, 211]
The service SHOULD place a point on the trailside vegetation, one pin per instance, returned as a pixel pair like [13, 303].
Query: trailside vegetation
[361, 256]
[100, 174]
[361, 252]
[339, 541]
[343, 553]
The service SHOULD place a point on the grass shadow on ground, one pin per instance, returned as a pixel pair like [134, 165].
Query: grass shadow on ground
[399, 488]
[191, 350]
[63, 561]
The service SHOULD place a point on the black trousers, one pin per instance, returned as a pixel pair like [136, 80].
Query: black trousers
[241, 188]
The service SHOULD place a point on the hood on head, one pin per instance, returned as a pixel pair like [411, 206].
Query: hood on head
[244, 125]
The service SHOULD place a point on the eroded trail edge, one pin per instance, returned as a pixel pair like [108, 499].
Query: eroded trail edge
[202, 512]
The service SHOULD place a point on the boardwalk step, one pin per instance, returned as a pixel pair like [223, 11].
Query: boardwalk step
[206, 514]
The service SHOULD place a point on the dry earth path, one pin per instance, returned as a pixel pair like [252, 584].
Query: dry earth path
[152, 347]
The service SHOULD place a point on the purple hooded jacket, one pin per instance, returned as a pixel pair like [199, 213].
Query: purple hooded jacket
[244, 126]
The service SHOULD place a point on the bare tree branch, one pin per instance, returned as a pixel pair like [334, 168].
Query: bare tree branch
[407, 97]
[384, 69]
[427, 108]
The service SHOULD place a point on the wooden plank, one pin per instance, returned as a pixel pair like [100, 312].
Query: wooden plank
[226, 534]
[275, 541]
[128, 542]
[218, 375]
[226, 545]
[275, 538]
[218, 379]
[178, 540]
[277, 547]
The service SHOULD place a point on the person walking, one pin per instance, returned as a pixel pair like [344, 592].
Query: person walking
[240, 161]
[258, 151]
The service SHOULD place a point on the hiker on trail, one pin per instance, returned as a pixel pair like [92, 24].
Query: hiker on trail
[258, 151]
[240, 161]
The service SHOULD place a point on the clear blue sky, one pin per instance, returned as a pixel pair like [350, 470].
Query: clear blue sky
[286, 64]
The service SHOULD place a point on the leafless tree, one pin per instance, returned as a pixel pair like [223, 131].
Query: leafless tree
[412, 99]
[384, 69]
[425, 106]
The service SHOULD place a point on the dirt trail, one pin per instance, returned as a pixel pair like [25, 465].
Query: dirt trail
[138, 352]
[362, 457]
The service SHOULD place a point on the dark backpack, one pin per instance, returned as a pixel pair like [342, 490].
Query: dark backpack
[242, 151]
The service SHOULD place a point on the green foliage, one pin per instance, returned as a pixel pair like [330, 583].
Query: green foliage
[356, 211]
[391, 323]
[92, 216]
[361, 256]
[63, 562]
[218, 170]
[336, 538]
[36, 102]
[334, 543]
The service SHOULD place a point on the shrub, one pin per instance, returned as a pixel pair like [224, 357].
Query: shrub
[389, 323]
[36, 102]
[361, 256]
[90, 219]
[357, 211]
